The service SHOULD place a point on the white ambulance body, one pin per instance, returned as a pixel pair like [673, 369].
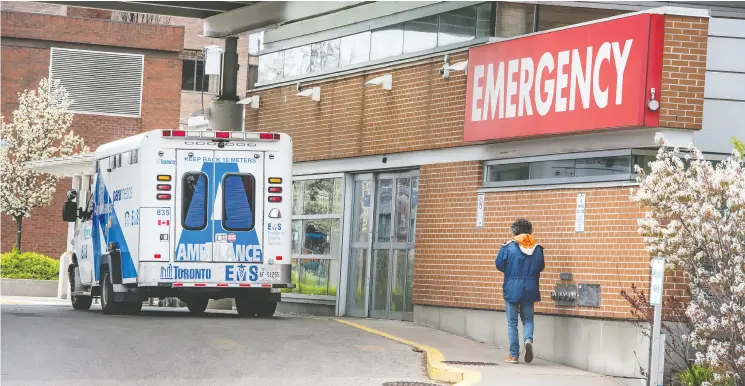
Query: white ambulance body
[196, 215]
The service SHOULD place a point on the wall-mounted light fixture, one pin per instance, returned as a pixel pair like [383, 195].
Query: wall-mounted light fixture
[252, 101]
[384, 80]
[314, 93]
[447, 67]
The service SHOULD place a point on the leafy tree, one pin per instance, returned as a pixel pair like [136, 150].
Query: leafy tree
[696, 220]
[40, 129]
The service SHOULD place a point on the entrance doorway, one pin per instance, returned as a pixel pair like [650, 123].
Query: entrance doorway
[381, 258]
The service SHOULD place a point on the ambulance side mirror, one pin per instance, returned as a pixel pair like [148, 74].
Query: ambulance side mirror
[70, 209]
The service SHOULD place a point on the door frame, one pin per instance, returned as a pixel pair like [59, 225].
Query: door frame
[371, 243]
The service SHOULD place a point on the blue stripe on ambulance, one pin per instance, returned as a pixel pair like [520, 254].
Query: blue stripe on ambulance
[114, 235]
[191, 243]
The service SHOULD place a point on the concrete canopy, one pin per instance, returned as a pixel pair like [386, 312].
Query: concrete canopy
[223, 19]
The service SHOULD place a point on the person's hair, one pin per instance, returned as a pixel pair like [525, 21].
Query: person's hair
[521, 226]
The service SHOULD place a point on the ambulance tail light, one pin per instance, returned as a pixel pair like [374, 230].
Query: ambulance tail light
[222, 134]
[165, 187]
[275, 189]
[174, 133]
[269, 136]
[164, 177]
[275, 199]
[163, 196]
[275, 180]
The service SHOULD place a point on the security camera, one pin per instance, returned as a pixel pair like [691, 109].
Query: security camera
[442, 70]
[71, 195]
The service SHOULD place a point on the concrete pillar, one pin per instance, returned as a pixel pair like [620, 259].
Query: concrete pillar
[225, 113]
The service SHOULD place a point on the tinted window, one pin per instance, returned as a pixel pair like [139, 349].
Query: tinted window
[355, 49]
[194, 201]
[420, 34]
[238, 201]
[386, 42]
[457, 26]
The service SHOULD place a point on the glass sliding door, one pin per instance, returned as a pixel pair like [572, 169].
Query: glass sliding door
[381, 265]
[360, 246]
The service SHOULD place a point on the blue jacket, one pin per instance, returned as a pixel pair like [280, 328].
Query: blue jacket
[522, 269]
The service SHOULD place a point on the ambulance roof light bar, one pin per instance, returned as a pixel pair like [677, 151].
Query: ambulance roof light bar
[221, 135]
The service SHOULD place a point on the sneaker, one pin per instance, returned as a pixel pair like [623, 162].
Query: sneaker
[511, 359]
[528, 351]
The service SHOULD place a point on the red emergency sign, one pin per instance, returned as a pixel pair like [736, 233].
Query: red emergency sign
[591, 77]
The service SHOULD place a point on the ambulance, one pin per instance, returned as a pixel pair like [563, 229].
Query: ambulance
[196, 215]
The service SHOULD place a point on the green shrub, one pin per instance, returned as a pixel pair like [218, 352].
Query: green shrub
[702, 374]
[28, 265]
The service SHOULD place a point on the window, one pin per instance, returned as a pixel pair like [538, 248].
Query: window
[104, 83]
[355, 49]
[561, 169]
[457, 26]
[420, 35]
[238, 194]
[194, 201]
[133, 155]
[316, 235]
[386, 42]
[297, 61]
[270, 66]
[193, 78]
[325, 55]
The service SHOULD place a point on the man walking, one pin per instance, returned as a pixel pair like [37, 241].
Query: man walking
[521, 260]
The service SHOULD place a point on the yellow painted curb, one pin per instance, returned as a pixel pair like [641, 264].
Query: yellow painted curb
[436, 369]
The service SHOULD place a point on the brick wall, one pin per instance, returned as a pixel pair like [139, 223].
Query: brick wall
[44, 231]
[454, 265]
[683, 72]
[79, 30]
[90, 13]
[423, 111]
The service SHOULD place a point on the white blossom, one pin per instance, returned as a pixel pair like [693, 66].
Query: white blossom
[696, 219]
[39, 129]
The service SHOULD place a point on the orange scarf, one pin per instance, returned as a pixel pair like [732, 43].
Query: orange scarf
[525, 240]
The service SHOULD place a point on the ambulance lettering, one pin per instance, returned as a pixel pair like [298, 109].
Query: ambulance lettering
[241, 272]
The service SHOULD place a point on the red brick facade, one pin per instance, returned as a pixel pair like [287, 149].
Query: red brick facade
[24, 65]
[454, 264]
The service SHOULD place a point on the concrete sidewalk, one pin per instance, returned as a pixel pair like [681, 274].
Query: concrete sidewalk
[460, 349]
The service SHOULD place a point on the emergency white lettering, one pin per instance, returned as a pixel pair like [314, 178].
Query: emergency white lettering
[552, 84]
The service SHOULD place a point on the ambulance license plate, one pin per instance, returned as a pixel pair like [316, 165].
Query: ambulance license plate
[268, 274]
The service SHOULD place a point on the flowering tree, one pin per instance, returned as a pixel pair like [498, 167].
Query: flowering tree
[40, 129]
[696, 220]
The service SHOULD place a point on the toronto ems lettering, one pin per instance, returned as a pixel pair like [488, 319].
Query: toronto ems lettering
[560, 81]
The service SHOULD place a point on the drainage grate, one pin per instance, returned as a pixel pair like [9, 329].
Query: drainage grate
[407, 383]
[471, 363]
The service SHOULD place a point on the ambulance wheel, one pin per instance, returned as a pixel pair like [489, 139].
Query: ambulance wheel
[131, 308]
[246, 307]
[108, 306]
[266, 309]
[197, 306]
[79, 302]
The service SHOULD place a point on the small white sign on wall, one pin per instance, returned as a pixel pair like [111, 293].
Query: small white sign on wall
[579, 220]
[480, 204]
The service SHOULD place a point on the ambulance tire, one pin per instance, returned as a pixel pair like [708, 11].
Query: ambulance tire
[131, 308]
[108, 306]
[197, 306]
[79, 302]
[246, 307]
[267, 309]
